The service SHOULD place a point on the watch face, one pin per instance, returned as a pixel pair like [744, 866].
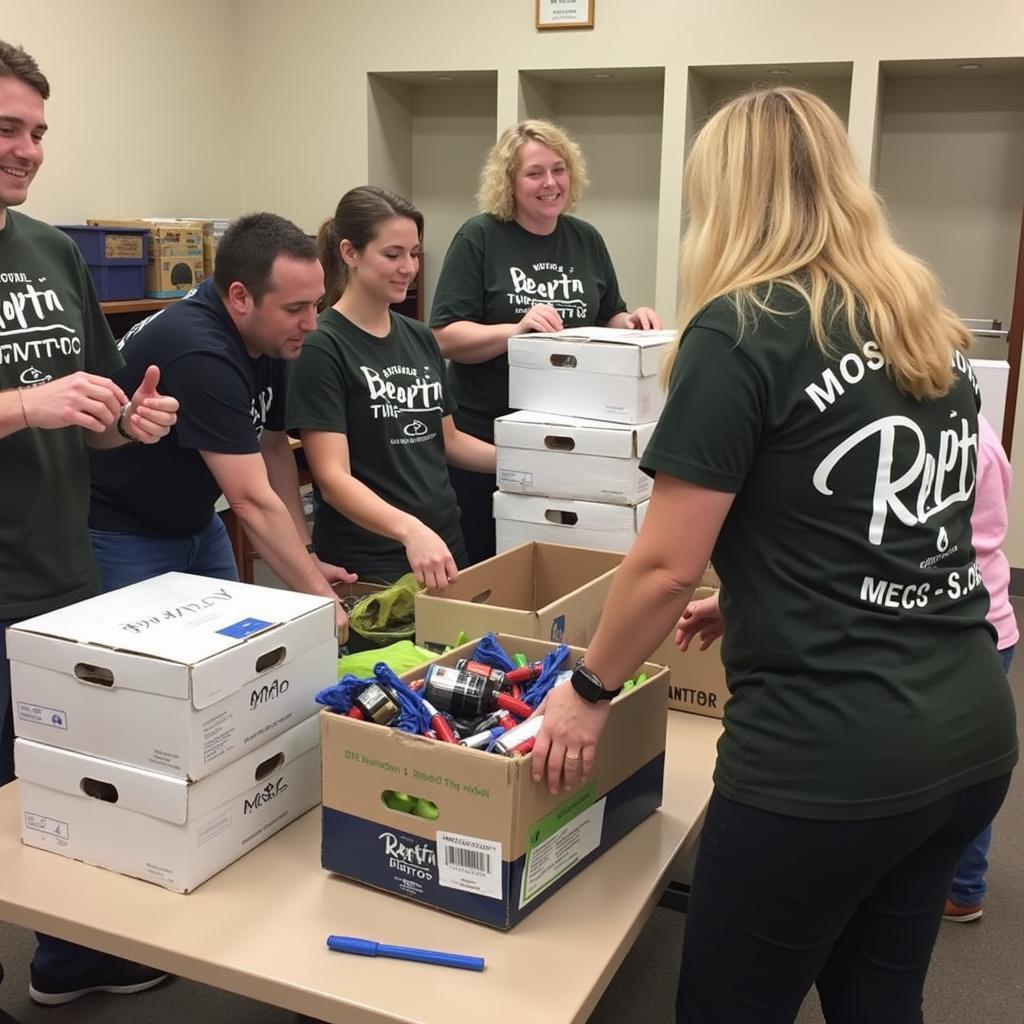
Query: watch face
[586, 684]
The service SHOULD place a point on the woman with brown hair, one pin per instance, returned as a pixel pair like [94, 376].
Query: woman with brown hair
[819, 442]
[369, 397]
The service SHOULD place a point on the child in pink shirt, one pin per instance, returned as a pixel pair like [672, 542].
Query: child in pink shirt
[988, 524]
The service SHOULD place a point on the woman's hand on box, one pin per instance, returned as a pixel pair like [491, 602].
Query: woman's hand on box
[700, 618]
[567, 742]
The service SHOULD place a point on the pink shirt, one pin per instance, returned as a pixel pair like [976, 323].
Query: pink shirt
[988, 524]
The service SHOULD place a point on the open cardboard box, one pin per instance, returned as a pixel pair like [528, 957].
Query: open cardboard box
[547, 591]
[501, 843]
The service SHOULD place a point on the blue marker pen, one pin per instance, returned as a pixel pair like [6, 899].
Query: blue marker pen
[367, 947]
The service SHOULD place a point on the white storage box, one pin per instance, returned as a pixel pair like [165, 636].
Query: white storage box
[596, 372]
[520, 518]
[567, 457]
[180, 674]
[165, 830]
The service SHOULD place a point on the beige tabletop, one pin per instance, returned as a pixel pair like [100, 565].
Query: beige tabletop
[259, 927]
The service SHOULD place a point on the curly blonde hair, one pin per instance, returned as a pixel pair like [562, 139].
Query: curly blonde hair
[775, 198]
[497, 195]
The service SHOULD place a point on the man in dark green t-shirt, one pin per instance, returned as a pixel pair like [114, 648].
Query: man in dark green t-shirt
[56, 351]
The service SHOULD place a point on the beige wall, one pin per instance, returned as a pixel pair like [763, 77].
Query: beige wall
[275, 112]
[143, 109]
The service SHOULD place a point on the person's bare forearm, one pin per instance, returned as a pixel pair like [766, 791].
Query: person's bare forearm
[273, 533]
[467, 342]
[283, 474]
[354, 500]
[643, 607]
[467, 452]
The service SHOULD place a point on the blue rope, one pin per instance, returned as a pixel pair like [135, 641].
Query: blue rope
[338, 696]
[538, 689]
[412, 713]
[490, 652]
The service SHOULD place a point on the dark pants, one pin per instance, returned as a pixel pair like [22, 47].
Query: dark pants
[475, 492]
[780, 904]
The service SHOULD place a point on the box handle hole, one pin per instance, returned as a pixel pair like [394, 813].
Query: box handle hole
[94, 674]
[560, 517]
[481, 597]
[565, 361]
[270, 659]
[406, 803]
[559, 444]
[270, 765]
[98, 790]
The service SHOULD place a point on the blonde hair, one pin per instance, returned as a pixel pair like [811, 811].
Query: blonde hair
[775, 198]
[496, 194]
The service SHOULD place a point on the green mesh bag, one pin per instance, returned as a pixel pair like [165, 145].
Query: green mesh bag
[400, 656]
[387, 615]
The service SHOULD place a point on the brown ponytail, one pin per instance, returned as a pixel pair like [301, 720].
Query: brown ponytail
[359, 214]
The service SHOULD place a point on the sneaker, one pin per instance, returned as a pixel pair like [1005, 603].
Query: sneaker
[121, 977]
[960, 912]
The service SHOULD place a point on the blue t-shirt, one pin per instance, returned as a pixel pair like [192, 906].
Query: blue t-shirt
[227, 400]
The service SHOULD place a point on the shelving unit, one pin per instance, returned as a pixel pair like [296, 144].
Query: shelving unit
[951, 145]
[428, 133]
[616, 115]
[708, 87]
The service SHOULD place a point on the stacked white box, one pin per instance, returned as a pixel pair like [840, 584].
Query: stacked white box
[569, 461]
[174, 680]
[569, 457]
[596, 372]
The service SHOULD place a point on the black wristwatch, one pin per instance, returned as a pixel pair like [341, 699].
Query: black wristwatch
[588, 686]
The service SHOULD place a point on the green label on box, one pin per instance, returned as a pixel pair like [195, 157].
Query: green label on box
[560, 840]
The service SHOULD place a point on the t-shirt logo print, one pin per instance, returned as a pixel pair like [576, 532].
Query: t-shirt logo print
[551, 286]
[399, 391]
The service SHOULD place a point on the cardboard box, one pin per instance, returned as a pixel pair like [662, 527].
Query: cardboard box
[179, 674]
[595, 372]
[697, 683]
[568, 457]
[501, 844]
[165, 830]
[519, 518]
[168, 238]
[547, 591]
[173, 277]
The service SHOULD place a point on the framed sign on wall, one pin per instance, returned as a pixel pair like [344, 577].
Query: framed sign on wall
[565, 14]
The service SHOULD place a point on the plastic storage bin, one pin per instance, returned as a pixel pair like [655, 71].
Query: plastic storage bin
[116, 258]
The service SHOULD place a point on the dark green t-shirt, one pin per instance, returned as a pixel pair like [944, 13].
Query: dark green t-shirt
[865, 681]
[494, 272]
[388, 396]
[50, 326]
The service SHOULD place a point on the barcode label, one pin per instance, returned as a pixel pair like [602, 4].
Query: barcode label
[473, 860]
[469, 864]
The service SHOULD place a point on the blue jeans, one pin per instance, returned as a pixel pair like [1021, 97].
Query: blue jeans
[123, 559]
[126, 558]
[969, 885]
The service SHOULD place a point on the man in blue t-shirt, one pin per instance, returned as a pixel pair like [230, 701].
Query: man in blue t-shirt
[222, 352]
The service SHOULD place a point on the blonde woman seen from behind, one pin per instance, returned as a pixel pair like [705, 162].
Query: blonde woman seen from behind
[820, 440]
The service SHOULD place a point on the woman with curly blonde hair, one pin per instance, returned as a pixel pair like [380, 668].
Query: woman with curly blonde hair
[523, 264]
[820, 442]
